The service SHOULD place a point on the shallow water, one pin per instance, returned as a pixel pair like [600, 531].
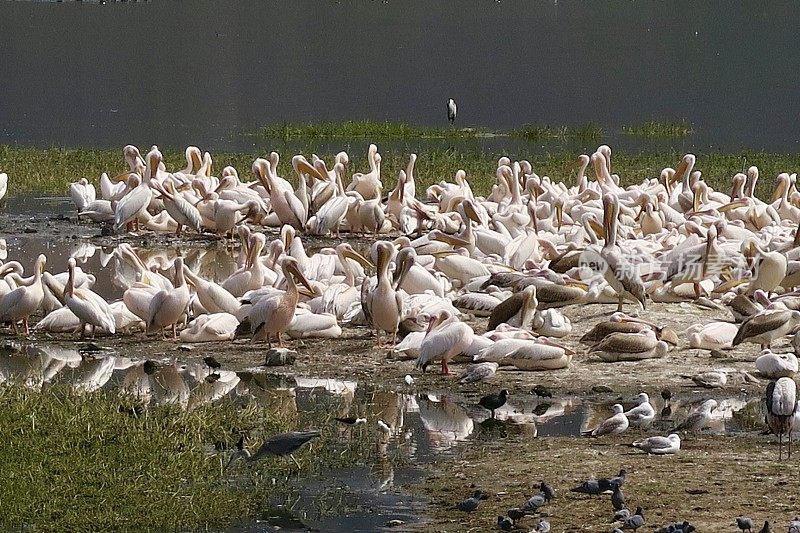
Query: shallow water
[205, 71]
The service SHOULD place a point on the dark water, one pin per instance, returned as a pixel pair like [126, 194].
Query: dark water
[175, 73]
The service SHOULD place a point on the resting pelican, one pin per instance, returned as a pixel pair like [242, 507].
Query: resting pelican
[22, 302]
[517, 310]
[712, 336]
[620, 273]
[168, 306]
[630, 347]
[781, 400]
[776, 365]
[90, 308]
[385, 304]
[445, 338]
[211, 327]
[273, 315]
[696, 264]
[526, 354]
[213, 297]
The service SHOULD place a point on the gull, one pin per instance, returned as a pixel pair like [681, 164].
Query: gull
[610, 426]
[659, 445]
[643, 414]
[699, 418]
[478, 372]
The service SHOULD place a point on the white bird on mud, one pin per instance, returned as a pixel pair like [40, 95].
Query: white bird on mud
[445, 338]
[699, 418]
[643, 414]
[659, 445]
[613, 425]
[23, 301]
[773, 365]
[90, 308]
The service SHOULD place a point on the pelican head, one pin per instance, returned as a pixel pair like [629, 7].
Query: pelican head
[290, 268]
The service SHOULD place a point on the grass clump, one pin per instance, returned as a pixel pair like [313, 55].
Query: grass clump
[86, 462]
[362, 128]
[655, 129]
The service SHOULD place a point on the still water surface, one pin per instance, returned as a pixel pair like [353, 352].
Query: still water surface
[178, 73]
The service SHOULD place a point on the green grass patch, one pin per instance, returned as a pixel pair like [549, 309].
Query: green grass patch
[363, 128]
[655, 129]
[49, 171]
[543, 132]
[85, 462]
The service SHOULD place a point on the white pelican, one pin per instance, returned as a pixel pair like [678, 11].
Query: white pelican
[330, 215]
[254, 274]
[384, 303]
[338, 297]
[445, 338]
[168, 306]
[22, 302]
[82, 193]
[781, 407]
[630, 346]
[283, 201]
[776, 365]
[273, 315]
[526, 354]
[620, 273]
[659, 445]
[179, 208]
[90, 308]
[517, 310]
[551, 323]
[211, 327]
[369, 185]
[213, 297]
[306, 325]
[712, 336]
[613, 425]
[769, 269]
[130, 206]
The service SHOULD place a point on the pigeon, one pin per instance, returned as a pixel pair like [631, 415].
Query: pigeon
[766, 528]
[635, 521]
[744, 523]
[548, 492]
[619, 479]
[494, 401]
[505, 524]
[471, 503]
[610, 426]
[617, 498]
[543, 526]
[516, 513]
[794, 525]
[591, 486]
[621, 515]
[533, 504]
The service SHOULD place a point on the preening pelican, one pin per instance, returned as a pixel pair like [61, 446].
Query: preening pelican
[22, 302]
[288, 208]
[211, 327]
[620, 273]
[446, 337]
[168, 306]
[273, 315]
[90, 308]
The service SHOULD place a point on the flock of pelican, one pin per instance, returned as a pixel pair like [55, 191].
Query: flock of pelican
[519, 255]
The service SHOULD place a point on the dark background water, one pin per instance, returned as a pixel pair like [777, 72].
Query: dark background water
[202, 72]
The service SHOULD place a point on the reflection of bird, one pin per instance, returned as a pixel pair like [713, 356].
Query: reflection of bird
[280, 445]
[781, 406]
[452, 110]
[494, 401]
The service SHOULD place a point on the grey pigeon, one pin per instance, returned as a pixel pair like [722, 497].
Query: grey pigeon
[505, 524]
[621, 515]
[548, 492]
[471, 503]
[534, 503]
[744, 523]
[617, 498]
[590, 486]
[635, 521]
[516, 513]
[766, 528]
[543, 526]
